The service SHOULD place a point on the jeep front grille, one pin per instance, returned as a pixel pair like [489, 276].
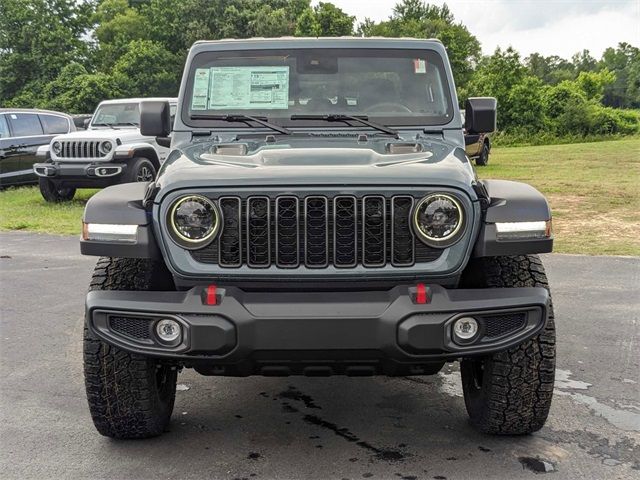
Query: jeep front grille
[316, 231]
[80, 149]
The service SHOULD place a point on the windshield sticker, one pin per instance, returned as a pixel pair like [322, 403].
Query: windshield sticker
[228, 88]
[200, 89]
[419, 65]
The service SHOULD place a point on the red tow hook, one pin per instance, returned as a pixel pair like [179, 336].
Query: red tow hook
[210, 297]
[423, 295]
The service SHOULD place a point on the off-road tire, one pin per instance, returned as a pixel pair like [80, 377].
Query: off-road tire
[54, 194]
[483, 158]
[129, 395]
[510, 392]
[140, 169]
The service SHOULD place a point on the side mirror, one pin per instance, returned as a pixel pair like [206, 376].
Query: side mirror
[86, 122]
[155, 119]
[480, 114]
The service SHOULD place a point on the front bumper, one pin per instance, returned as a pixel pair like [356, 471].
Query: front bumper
[81, 174]
[324, 333]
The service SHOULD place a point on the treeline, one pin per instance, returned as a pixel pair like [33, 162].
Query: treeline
[70, 54]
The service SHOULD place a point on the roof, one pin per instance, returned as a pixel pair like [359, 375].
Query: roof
[321, 39]
[317, 42]
[138, 100]
[30, 110]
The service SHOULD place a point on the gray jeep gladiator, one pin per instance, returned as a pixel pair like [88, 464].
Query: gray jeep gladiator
[317, 215]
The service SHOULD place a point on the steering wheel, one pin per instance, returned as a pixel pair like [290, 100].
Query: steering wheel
[390, 107]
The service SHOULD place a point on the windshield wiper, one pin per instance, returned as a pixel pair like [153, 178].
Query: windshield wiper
[110, 125]
[340, 117]
[243, 118]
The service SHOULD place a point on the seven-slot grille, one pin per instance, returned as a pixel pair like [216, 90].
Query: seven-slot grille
[316, 231]
[80, 149]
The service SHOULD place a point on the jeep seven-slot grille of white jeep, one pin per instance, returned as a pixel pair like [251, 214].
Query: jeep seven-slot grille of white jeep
[316, 231]
[80, 149]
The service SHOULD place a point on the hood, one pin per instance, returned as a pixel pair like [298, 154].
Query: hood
[123, 134]
[316, 160]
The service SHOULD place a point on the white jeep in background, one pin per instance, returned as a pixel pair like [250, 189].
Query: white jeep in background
[111, 150]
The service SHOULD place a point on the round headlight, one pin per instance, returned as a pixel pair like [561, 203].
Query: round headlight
[56, 147]
[438, 220]
[105, 147]
[193, 221]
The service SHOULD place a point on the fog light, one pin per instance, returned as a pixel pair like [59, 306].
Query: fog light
[465, 328]
[168, 330]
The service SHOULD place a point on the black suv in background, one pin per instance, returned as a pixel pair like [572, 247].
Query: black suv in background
[22, 131]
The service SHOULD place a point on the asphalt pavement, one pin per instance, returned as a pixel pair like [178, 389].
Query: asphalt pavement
[315, 428]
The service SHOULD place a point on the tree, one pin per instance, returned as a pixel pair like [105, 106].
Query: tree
[147, 69]
[117, 25]
[270, 22]
[624, 62]
[415, 18]
[308, 26]
[497, 76]
[37, 39]
[584, 62]
[551, 70]
[324, 20]
[593, 84]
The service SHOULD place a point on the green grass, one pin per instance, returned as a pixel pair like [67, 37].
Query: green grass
[25, 209]
[593, 188]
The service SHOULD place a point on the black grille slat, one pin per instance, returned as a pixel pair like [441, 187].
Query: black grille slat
[230, 241]
[345, 253]
[316, 218]
[316, 231]
[258, 232]
[402, 240]
[287, 232]
[374, 231]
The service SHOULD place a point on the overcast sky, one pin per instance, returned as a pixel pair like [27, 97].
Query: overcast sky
[551, 27]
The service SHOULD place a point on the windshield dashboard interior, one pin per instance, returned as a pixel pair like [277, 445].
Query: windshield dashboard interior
[401, 87]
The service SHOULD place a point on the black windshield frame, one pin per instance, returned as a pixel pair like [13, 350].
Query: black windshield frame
[282, 117]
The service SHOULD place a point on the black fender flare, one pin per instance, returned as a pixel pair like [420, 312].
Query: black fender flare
[487, 140]
[121, 204]
[149, 153]
[508, 202]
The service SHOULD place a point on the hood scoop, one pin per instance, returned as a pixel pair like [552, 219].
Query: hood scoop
[232, 149]
[404, 147]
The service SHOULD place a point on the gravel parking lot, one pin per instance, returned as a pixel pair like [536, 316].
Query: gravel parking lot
[332, 428]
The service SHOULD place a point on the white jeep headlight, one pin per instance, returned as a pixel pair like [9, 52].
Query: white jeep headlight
[56, 147]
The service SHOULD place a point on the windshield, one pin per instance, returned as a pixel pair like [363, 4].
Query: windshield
[390, 86]
[117, 114]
